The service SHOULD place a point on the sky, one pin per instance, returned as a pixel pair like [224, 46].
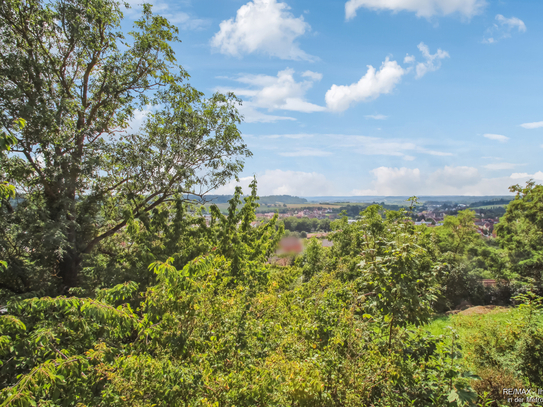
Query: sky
[373, 97]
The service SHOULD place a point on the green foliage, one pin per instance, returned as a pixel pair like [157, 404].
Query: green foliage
[229, 329]
[313, 259]
[520, 233]
[84, 175]
[7, 140]
[515, 347]
[458, 232]
[388, 261]
[307, 225]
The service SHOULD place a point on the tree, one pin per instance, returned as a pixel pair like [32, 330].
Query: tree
[313, 259]
[6, 141]
[520, 233]
[324, 225]
[458, 232]
[66, 68]
[391, 264]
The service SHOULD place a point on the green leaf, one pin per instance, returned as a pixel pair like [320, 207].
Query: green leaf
[453, 396]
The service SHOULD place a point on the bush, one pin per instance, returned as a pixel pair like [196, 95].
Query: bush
[515, 349]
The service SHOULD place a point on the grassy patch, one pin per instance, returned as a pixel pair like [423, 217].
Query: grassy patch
[469, 323]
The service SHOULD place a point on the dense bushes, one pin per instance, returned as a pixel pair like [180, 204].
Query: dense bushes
[229, 329]
[343, 326]
[514, 348]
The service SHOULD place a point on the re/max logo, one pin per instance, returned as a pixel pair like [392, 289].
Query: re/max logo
[515, 392]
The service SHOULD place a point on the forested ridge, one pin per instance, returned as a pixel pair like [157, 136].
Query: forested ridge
[115, 290]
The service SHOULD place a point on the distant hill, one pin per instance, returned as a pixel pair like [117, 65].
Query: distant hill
[491, 202]
[401, 200]
[267, 200]
[284, 199]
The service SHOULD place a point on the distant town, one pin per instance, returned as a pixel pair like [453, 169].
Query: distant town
[311, 217]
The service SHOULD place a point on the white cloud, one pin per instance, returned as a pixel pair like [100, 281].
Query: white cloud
[436, 153]
[170, 11]
[448, 180]
[326, 144]
[279, 182]
[280, 92]
[138, 120]
[378, 146]
[497, 137]
[376, 116]
[512, 22]
[252, 115]
[423, 8]
[291, 136]
[375, 83]
[409, 59]
[370, 86]
[501, 166]
[432, 63]
[454, 177]
[306, 152]
[538, 176]
[265, 26]
[392, 181]
[503, 28]
[315, 76]
[533, 125]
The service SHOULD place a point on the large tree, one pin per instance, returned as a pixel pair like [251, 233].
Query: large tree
[520, 233]
[82, 170]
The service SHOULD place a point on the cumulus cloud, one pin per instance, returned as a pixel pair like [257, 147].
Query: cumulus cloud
[497, 137]
[392, 181]
[315, 76]
[376, 116]
[512, 23]
[279, 182]
[281, 92]
[370, 86]
[265, 26]
[454, 177]
[449, 180]
[533, 125]
[503, 28]
[423, 8]
[432, 63]
[377, 82]
[538, 176]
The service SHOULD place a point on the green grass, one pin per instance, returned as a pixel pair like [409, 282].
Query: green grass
[468, 324]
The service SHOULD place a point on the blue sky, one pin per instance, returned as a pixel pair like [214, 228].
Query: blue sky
[374, 97]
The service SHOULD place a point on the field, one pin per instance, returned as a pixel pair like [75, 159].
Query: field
[313, 205]
[265, 208]
[490, 207]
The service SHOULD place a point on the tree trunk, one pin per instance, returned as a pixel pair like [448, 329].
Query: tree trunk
[69, 269]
